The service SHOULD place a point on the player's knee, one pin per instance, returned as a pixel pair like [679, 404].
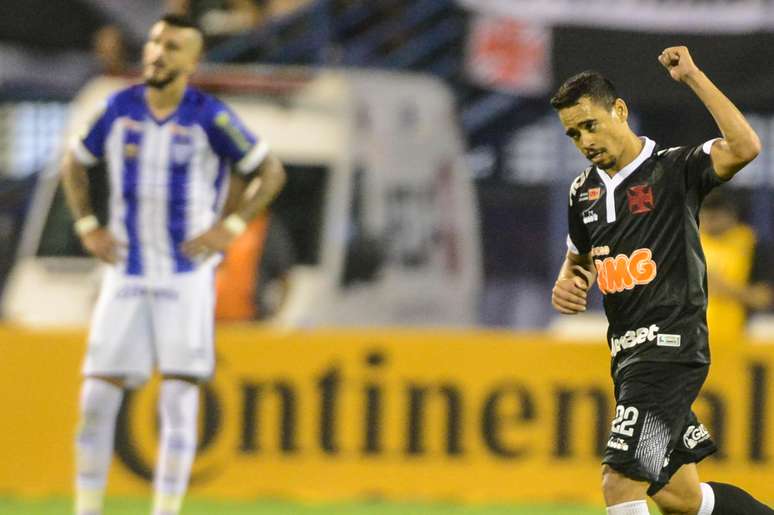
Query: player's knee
[99, 406]
[616, 486]
[675, 510]
[611, 480]
[178, 405]
[100, 401]
[687, 503]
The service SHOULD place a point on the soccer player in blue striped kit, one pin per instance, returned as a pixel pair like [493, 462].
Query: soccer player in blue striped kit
[633, 223]
[171, 152]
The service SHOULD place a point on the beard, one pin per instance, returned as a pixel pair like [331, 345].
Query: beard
[162, 82]
[606, 165]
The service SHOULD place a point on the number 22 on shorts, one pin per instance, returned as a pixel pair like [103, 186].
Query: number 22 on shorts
[624, 420]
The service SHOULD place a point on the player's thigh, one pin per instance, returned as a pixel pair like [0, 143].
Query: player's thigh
[119, 343]
[682, 495]
[183, 321]
[652, 407]
[644, 424]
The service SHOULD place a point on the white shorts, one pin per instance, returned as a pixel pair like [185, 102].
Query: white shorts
[140, 324]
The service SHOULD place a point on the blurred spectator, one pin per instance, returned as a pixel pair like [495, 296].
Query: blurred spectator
[109, 46]
[278, 8]
[735, 270]
[233, 17]
[219, 18]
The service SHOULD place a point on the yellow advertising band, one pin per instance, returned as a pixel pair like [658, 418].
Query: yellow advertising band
[469, 416]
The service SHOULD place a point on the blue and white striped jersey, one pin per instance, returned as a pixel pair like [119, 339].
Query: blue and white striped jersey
[167, 177]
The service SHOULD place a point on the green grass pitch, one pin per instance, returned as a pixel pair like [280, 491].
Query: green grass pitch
[198, 507]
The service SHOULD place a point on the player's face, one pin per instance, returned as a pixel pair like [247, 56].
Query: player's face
[169, 53]
[598, 133]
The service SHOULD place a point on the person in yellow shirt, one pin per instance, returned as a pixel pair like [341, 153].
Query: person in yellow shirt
[732, 254]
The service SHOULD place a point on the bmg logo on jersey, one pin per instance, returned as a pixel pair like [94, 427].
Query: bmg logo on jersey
[622, 272]
[694, 435]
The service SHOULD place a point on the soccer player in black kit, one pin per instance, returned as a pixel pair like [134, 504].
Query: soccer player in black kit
[633, 227]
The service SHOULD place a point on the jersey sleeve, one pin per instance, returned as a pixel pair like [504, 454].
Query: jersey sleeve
[232, 140]
[578, 240]
[89, 146]
[699, 173]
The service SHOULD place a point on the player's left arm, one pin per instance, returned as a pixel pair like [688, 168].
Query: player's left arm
[739, 144]
[255, 191]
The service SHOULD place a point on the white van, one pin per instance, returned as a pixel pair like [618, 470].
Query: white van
[379, 203]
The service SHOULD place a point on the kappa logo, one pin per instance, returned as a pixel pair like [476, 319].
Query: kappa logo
[640, 199]
[618, 444]
[616, 274]
[589, 216]
[694, 435]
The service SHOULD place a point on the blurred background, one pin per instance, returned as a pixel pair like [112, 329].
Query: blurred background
[428, 187]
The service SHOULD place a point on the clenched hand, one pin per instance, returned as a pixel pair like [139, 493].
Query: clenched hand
[678, 62]
[569, 293]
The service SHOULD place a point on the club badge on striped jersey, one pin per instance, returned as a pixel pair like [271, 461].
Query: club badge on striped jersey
[181, 150]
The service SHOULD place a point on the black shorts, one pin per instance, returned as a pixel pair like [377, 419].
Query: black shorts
[654, 431]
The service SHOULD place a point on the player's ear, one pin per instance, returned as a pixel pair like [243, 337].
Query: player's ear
[620, 110]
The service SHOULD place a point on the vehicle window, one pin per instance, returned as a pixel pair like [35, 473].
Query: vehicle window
[301, 205]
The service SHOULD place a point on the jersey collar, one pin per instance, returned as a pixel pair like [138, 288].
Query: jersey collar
[626, 171]
[611, 183]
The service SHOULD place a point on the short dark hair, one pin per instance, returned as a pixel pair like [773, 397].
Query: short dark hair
[179, 20]
[589, 84]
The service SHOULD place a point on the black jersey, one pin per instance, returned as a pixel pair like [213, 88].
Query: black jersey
[641, 228]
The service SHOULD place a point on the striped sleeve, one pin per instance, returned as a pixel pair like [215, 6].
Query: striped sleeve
[89, 146]
[232, 140]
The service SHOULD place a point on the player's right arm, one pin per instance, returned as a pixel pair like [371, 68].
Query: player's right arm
[571, 287]
[95, 239]
[86, 151]
[577, 273]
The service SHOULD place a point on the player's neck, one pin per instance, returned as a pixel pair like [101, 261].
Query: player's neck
[164, 101]
[632, 149]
